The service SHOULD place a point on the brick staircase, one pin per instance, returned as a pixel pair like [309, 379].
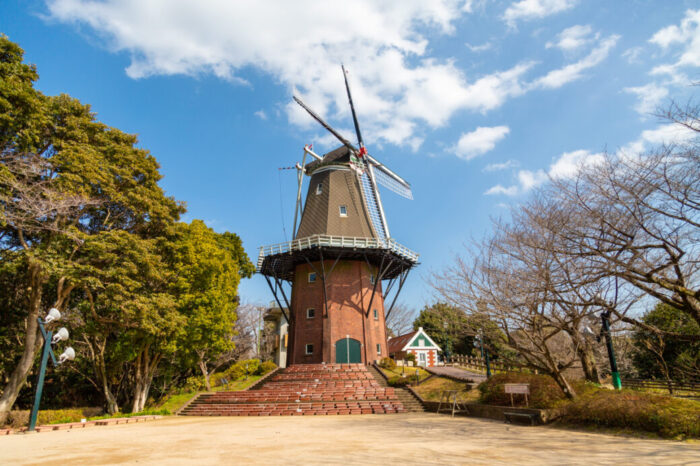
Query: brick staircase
[409, 401]
[305, 389]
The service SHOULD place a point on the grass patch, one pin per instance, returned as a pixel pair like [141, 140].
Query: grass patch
[431, 390]
[629, 409]
[409, 372]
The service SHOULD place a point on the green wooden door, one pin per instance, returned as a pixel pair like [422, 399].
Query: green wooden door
[347, 351]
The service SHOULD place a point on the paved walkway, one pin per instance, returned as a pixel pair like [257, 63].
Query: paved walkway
[363, 439]
[458, 373]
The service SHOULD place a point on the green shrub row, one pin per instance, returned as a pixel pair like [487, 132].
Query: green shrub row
[664, 415]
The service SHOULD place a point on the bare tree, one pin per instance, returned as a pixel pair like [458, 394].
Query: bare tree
[400, 320]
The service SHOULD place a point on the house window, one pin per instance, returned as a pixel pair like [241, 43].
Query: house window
[309, 348]
[343, 211]
[312, 277]
[376, 315]
[319, 188]
[379, 348]
[310, 313]
[421, 342]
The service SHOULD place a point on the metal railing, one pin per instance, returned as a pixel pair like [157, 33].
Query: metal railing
[309, 242]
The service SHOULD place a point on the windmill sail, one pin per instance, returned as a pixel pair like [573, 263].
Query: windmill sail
[382, 177]
[372, 203]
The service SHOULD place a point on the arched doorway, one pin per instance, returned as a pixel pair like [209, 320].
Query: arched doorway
[347, 351]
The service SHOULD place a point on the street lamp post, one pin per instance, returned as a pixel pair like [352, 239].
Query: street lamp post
[49, 340]
[605, 331]
[484, 353]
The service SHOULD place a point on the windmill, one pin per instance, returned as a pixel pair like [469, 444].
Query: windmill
[342, 263]
[370, 170]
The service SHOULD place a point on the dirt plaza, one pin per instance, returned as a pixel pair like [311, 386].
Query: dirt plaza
[362, 439]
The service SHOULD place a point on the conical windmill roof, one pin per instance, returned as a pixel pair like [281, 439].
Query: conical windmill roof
[334, 202]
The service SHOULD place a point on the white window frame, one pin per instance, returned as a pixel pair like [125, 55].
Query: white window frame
[313, 312]
[319, 188]
[312, 274]
[376, 314]
[306, 348]
[340, 210]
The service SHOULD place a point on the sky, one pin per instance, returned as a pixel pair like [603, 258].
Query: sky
[475, 103]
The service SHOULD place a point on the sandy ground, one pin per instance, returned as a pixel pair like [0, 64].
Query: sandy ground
[367, 439]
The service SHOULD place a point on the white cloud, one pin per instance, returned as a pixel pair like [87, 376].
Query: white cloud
[686, 38]
[261, 114]
[648, 97]
[500, 189]
[398, 87]
[573, 38]
[479, 48]
[569, 163]
[632, 54]
[479, 141]
[534, 9]
[557, 78]
[494, 167]
[566, 166]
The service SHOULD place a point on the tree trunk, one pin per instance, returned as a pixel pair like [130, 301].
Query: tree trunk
[563, 384]
[145, 369]
[32, 342]
[588, 364]
[205, 373]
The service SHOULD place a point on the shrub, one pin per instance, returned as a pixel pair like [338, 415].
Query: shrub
[234, 372]
[20, 418]
[266, 367]
[667, 416]
[194, 384]
[387, 363]
[398, 381]
[544, 391]
[215, 378]
[250, 366]
[410, 357]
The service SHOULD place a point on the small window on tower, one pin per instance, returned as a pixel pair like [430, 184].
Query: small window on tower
[379, 349]
[312, 277]
[319, 188]
[310, 313]
[371, 278]
[309, 349]
[343, 211]
[376, 315]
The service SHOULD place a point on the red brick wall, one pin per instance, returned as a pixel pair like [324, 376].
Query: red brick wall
[348, 292]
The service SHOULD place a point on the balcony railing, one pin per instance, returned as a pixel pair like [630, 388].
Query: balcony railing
[336, 241]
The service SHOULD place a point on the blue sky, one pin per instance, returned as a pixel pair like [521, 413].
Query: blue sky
[475, 103]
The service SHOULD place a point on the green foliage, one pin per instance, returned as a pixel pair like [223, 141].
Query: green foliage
[242, 369]
[194, 384]
[20, 418]
[458, 337]
[666, 416]
[266, 367]
[398, 381]
[544, 391]
[388, 363]
[410, 357]
[659, 357]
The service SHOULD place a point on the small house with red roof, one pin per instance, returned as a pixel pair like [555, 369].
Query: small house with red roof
[417, 343]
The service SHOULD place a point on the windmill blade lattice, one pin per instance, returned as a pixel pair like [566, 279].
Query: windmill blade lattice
[391, 184]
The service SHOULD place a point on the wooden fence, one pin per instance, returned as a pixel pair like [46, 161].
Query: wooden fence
[479, 365]
[691, 389]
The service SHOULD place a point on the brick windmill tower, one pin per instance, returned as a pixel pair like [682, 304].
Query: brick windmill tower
[342, 263]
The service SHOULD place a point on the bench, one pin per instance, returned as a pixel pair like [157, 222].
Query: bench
[531, 419]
